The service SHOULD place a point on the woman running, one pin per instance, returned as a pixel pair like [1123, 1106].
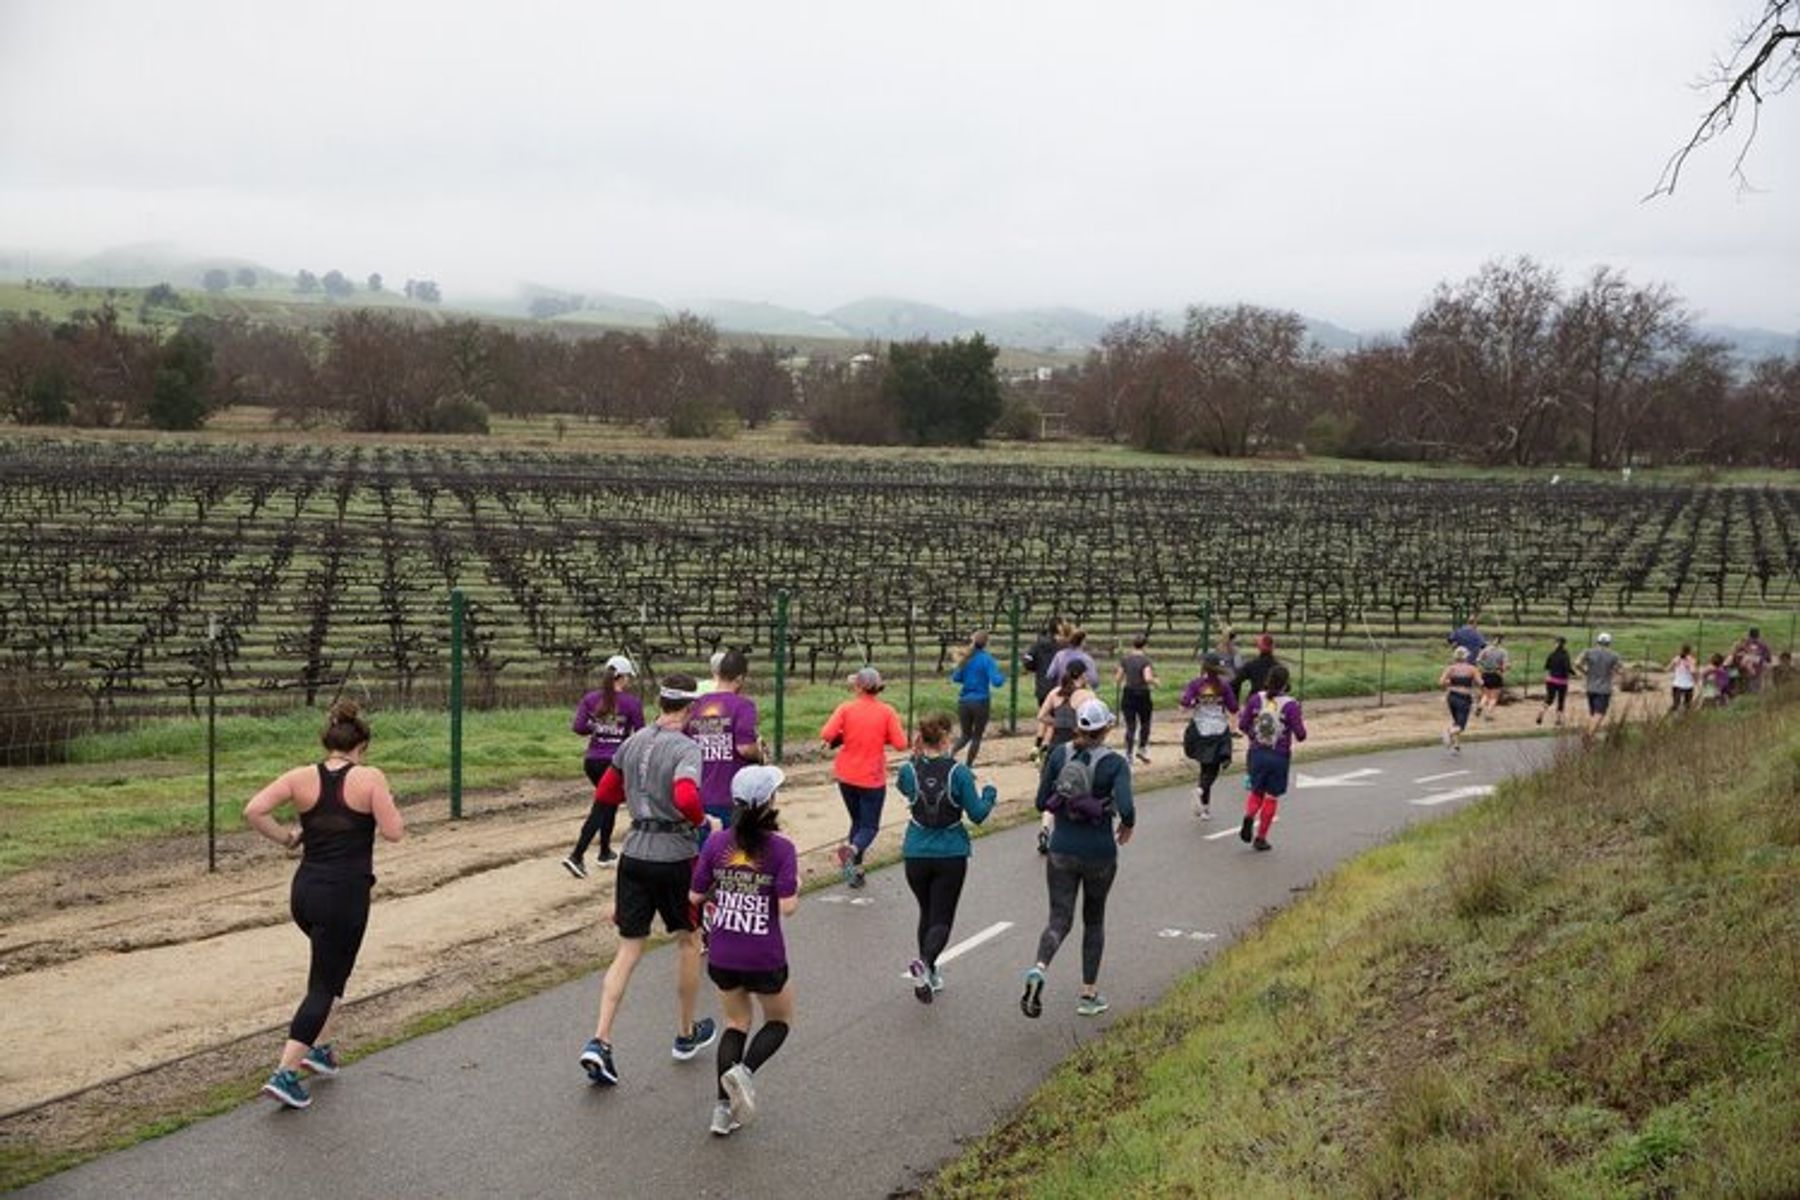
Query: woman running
[341, 803]
[1084, 787]
[1557, 669]
[750, 875]
[860, 730]
[1685, 673]
[1056, 725]
[606, 716]
[1715, 684]
[977, 675]
[1272, 719]
[939, 792]
[1135, 677]
[1208, 703]
[1492, 661]
[1459, 681]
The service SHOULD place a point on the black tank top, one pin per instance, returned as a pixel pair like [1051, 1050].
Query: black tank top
[338, 840]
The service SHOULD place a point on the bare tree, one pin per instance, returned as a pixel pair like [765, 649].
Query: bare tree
[1614, 342]
[1764, 61]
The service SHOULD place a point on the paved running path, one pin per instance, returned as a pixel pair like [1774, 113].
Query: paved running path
[872, 1091]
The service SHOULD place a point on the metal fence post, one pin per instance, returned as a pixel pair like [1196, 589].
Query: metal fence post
[1205, 625]
[781, 656]
[1381, 687]
[1012, 715]
[212, 745]
[458, 606]
[912, 669]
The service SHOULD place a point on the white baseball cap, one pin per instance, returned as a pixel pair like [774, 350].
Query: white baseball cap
[621, 665]
[1604, 639]
[1093, 716]
[755, 786]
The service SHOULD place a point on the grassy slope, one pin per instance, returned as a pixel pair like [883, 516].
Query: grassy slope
[1583, 987]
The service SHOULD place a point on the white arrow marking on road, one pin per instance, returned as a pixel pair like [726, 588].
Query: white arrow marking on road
[1193, 935]
[1461, 793]
[1347, 779]
[969, 943]
[1439, 776]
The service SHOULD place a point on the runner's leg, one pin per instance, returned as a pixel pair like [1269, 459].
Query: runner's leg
[614, 983]
[946, 889]
[1062, 882]
[734, 1005]
[983, 710]
[1096, 882]
[919, 878]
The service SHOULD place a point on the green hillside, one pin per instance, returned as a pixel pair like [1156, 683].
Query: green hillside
[1583, 987]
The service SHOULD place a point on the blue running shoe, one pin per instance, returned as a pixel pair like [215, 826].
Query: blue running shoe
[937, 981]
[597, 1061]
[1032, 1002]
[1092, 1006]
[321, 1061]
[285, 1086]
[705, 1034]
[921, 980]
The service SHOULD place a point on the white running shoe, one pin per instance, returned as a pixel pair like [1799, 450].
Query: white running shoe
[740, 1090]
[722, 1122]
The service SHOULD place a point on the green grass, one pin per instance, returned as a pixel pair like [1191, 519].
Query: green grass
[1583, 987]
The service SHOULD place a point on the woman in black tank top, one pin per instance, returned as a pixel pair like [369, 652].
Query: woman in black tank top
[330, 895]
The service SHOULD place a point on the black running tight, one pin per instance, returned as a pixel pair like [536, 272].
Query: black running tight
[937, 885]
[1209, 775]
[763, 1046]
[332, 912]
[600, 820]
[1093, 878]
[972, 716]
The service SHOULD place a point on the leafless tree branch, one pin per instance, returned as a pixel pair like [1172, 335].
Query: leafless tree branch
[1766, 71]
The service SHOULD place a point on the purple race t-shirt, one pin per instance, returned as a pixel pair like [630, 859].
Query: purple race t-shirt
[745, 926]
[721, 722]
[607, 731]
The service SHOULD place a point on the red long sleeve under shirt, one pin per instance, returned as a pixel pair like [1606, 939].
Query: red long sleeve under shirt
[611, 792]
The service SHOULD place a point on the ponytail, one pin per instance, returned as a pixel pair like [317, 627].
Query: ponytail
[609, 693]
[751, 827]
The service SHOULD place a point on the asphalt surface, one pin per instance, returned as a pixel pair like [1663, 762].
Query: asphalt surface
[872, 1091]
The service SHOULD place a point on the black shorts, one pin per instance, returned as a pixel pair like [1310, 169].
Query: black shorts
[1492, 681]
[1598, 703]
[763, 983]
[650, 889]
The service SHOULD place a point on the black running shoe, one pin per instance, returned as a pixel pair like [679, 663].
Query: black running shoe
[1262, 844]
[1248, 829]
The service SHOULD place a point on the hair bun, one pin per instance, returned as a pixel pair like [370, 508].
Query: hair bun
[344, 712]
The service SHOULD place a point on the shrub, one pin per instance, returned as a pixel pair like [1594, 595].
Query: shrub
[458, 412]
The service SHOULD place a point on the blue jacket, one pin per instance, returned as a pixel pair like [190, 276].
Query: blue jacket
[978, 675]
[951, 842]
[1111, 778]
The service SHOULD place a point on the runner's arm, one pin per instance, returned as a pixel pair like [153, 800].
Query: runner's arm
[1047, 779]
[259, 812]
[896, 732]
[1296, 726]
[787, 884]
[610, 791]
[687, 802]
[1122, 799]
[976, 803]
[750, 750]
[907, 782]
[388, 821]
[584, 719]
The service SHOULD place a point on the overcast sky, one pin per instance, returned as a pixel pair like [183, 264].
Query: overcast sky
[1336, 158]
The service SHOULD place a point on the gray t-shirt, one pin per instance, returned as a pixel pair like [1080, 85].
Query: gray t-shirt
[1600, 664]
[1135, 664]
[651, 760]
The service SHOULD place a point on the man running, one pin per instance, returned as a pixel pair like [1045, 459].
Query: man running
[1600, 665]
[1135, 676]
[1040, 654]
[1075, 652]
[1255, 674]
[1084, 787]
[1492, 661]
[723, 721]
[656, 774]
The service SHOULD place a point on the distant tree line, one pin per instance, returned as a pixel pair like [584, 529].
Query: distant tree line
[1505, 367]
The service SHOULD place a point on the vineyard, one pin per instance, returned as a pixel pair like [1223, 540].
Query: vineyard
[312, 564]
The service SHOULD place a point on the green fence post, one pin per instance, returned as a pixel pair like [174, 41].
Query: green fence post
[1012, 715]
[458, 605]
[781, 656]
[912, 660]
[212, 745]
[1205, 625]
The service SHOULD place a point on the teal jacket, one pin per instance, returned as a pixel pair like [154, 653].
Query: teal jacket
[951, 842]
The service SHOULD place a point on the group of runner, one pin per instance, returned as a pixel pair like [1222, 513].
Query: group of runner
[1476, 676]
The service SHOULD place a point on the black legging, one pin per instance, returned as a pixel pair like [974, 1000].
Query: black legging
[973, 717]
[600, 818]
[937, 885]
[1093, 878]
[332, 910]
[1136, 704]
[1209, 774]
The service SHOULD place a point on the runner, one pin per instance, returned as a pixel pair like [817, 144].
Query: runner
[724, 723]
[607, 716]
[341, 803]
[656, 774]
[1075, 651]
[1135, 677]
[1599, 664]
[1272, 719]
[1755, 658]
[711, 684]
[1492, 661]
[1208, 703]
[1255, 673]
[749, 875]
[978, 674]
[860, 730]
[1041, 653]
[1715, 684]
[1458, 681]
[1057, 721]
[1557, 670]
[1468, 636]
[1684, 674]
[939, 792]
[1084, 786]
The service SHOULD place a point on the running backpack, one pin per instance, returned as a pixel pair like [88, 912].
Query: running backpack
[1062, 717]
[1073, 792]
[933, 807]
[1266, 729]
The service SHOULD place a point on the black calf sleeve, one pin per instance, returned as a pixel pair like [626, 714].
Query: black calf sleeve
[731, 1052]
[767, 1041]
